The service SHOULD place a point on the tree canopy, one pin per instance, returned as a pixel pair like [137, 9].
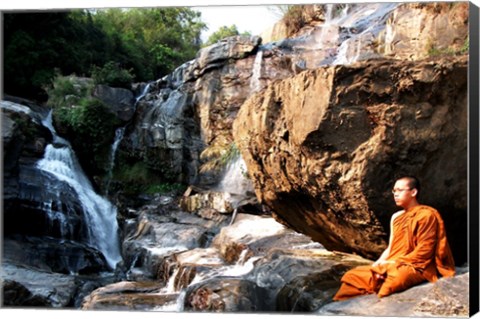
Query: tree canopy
[148, 42]
[223, 32]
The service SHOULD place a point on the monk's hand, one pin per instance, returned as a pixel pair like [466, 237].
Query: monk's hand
[379, 276]
[380, 262]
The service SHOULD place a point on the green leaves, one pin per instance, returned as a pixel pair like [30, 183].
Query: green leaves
[113, 75]
[86, 121]
[222, 33]
[114, 45]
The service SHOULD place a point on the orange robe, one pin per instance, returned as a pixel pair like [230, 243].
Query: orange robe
[419, 252]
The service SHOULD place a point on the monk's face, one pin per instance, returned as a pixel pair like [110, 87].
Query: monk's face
[403, 194]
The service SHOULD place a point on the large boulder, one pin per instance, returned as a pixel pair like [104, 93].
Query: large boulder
[121, 102]
[323, 148]
[36, 288]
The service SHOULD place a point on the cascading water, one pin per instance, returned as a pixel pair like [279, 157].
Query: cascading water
[235, 180]
[60, 161]
[119, 133]
[366, 21]
[256, 72]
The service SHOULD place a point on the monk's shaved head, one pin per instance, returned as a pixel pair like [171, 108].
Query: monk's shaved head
[412, 181]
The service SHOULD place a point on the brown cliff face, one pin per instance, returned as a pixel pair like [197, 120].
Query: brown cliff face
[417, 30]
[323, 148]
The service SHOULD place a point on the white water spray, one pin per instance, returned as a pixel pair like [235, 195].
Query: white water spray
[255, 84]
[60, 161]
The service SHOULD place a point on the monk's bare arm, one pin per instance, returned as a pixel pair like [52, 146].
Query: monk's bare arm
[386, 252]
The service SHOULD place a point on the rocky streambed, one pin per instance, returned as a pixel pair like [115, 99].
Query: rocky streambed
[202, 260]
[322, 129]
[181, 261]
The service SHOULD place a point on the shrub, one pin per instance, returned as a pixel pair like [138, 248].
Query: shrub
[113, 75]
[138, 178]
[85, 121]
[66, 91]
[163, 188]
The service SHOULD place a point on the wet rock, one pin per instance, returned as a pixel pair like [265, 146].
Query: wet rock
[247, 235]
[128, 296]
[154, 236]
[192, 265]
[32, 287]
[323, 148]
[301, 279]
[121, 102]
[307, 293]
[24, 141]
[41, 205]
[226, 295]
[194, 107]
[54, 255]
[236, 47]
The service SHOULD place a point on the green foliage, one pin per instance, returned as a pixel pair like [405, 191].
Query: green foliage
[136, 174]
[66, 91]
[36, 43]
[25, 125]
[139, 178]
[151, 41]
[222, 33]
[113, 75]
[165, 56]
[92, 120]
[163, 188]
[86, 121]
[148, 42]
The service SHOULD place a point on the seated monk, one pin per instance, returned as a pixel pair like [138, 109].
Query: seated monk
[418, 250]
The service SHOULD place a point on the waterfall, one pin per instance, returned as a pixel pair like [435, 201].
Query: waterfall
[60, 161]
[255, 84]
[328, 13]
[235, 180]
[365, 20]
[119, 133]
[56, 217]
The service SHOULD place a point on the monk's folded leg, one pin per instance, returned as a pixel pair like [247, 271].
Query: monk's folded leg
[399, 279]
[355, 282]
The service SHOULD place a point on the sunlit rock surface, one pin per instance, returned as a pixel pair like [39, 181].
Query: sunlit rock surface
[323, 148]
[415, 31]
[448, 297]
